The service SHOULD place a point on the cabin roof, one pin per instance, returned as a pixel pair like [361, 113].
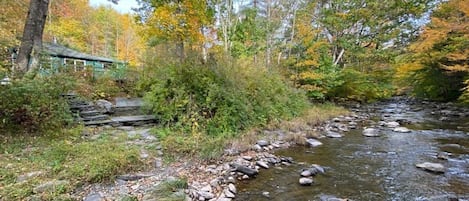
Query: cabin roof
[61, 51]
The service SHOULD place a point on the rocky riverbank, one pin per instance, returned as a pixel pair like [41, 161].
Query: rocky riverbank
[217, 180]
[394, 151]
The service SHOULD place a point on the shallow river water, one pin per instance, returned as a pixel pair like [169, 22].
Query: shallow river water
[377, 168]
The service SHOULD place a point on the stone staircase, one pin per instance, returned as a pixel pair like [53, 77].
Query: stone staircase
[125, 112]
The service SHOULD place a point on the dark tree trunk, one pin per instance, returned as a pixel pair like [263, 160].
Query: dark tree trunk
[31, 43]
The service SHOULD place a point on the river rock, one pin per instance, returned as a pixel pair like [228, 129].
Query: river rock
[257, 147]
[248, 158]
[245, 170]
[352, 125]
[228, 193]
[262, 164]
[232, 188]
[371, 132]
[262, 143]
[306, 173]
[392, 124]
[333, 134]
[313, 142]
[205, 195]
[342, 127]
[432, 167]
[305, 181]
[443, 155]
[317, 169]
[401, 130]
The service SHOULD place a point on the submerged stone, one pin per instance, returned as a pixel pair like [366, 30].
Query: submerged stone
[432, 167]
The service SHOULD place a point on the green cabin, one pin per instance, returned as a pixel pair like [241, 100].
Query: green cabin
[59, 58]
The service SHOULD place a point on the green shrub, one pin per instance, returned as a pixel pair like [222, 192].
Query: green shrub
[217, 99]
[34, 105]
[214, 99]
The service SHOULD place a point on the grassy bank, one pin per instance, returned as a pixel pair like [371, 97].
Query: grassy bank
[211, 147]
[68, 156]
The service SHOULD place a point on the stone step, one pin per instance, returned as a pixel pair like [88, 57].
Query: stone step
[96, 118]
[78, 102]
[124, 121]
[90, 113]
[86, 107]
[98, 123]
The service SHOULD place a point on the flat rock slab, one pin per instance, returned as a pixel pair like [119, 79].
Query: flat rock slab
[128, 102]
[124, 119]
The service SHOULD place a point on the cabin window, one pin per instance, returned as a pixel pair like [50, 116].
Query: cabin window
[107, 65]
[69, 64]
[80, 65]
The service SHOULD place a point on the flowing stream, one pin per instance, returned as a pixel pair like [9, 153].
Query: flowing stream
[378, 168]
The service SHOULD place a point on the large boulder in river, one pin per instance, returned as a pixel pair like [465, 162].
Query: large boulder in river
[371, 132]
[432, 167]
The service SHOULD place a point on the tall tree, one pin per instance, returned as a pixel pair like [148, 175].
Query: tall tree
[438, 62]
[31, 42]
[179, 21]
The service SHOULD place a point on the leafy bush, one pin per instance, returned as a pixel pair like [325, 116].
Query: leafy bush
[34, 105]
[218, 99]
[214, 99]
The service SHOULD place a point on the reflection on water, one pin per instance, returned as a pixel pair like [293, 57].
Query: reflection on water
[383, 168]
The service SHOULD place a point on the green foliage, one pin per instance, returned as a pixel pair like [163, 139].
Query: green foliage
[34, 105]
[247, 35]
[217, 100]
[317, 80]
[436, 83]
[361, 86]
